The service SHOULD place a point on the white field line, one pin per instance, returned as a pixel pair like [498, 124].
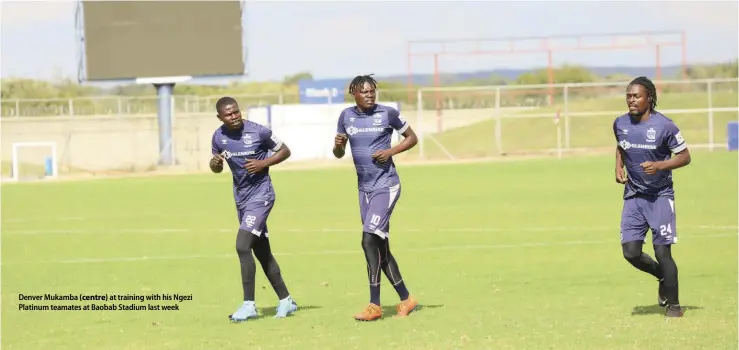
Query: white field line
[13, 232]
[341, 252]
[24, 221]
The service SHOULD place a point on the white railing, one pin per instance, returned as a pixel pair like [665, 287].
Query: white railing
[452, 123]
[124, 105]
[133, 105]
[440, 111]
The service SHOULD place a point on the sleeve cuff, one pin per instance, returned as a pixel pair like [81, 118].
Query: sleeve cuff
[679, 148]
[404, 128]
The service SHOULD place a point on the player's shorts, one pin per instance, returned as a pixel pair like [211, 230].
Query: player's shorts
[376, 207]
[253, 216]
[642, 213]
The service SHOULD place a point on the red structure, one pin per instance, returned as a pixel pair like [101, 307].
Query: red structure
[606, 42]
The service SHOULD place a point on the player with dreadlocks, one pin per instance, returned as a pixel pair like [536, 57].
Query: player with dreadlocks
[368, 128]
[646, 141]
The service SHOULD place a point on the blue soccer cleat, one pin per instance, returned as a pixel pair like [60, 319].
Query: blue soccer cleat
[286, 307]
[246, 311]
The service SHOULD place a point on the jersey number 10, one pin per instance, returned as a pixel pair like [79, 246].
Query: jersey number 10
[375, 220]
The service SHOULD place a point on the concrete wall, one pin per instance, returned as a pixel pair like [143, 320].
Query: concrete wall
[131, 142]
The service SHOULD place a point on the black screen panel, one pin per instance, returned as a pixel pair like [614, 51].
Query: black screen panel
[136, 39]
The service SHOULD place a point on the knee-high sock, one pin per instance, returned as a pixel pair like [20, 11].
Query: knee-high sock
[372, 244]
[669, 273]
[244, 242]
[392, 270]
[263, 252]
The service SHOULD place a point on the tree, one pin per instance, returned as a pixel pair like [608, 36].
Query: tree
[295, 78]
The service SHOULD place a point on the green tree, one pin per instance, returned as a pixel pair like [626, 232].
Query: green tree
[295, 78]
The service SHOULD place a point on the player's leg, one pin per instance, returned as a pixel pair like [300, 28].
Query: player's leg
[271, 268]
[371, 245]
[390, 266]
[244, 242]
[262, 249]
[378, 217]
[634, 229]
[392, 271]
[381, 209]
[252, 222]
[662, 220]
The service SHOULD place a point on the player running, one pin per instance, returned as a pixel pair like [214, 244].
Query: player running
[646, 141]
[368, 127]
[244, 146]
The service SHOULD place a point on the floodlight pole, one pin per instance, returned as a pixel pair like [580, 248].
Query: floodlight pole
[165, 103]
[164, 112]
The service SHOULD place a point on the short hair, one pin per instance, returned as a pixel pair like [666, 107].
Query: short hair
[359, 80]
[223, 101]
[649, 86]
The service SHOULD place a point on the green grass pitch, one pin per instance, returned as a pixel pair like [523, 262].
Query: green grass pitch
[508, 255]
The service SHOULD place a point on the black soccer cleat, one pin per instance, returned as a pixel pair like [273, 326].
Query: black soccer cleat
[661, 298]
[674, 311]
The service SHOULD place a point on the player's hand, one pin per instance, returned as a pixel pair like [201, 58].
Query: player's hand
[620, 175]
[217, 160]
[651, 168]
[254, 166]
[382, 156]
[340, 140]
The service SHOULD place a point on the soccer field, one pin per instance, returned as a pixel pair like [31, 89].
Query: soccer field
[507, 255]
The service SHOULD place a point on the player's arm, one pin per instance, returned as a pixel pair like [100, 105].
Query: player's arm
[678, 147]
[279, 156]
[409, 136]
[216, 162]
[340, 145]
[679, 160]
[620, 171]
[274, 144]
[269, 142]
[340, 139]
[409, 141]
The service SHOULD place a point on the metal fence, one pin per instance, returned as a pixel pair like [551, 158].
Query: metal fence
[121, 133]
[487, 121]
[137, 105]
[125, 105]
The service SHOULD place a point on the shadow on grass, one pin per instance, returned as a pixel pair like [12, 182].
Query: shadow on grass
[390, 310]
[271, 311]
[658, 310]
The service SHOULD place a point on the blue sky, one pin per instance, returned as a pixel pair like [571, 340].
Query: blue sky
[341, 39]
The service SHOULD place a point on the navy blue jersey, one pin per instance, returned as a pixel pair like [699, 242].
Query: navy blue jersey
[370, 132]
[252, 141]
[655, 139]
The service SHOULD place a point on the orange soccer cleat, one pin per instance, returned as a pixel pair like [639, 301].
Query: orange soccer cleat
[406, 306]
[370, 313]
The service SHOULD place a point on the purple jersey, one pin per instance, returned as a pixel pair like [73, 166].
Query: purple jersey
[368, 133]
[655, 139]
[252, 141]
